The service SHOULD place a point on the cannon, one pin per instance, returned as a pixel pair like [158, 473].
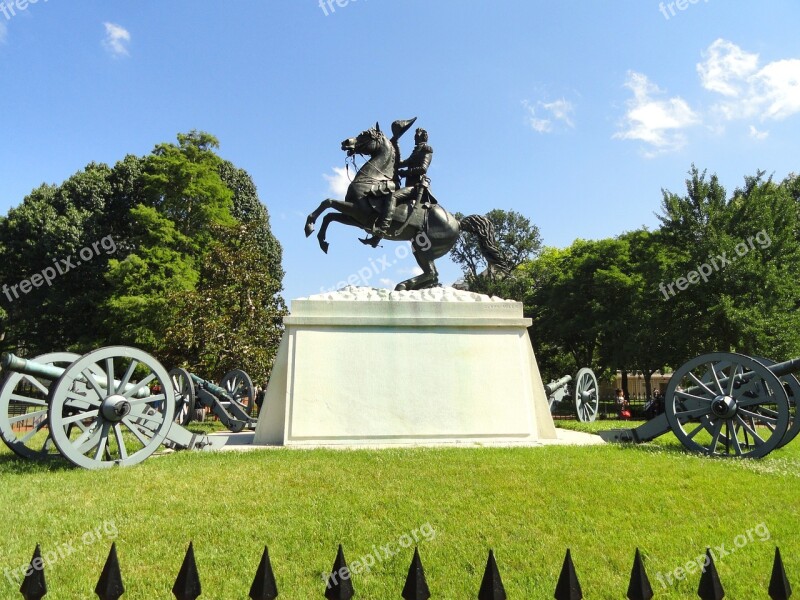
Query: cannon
[726, 404]
[225, 400]
[584, 394]
[112, 406]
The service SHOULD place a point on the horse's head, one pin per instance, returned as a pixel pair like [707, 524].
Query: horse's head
[365, 143]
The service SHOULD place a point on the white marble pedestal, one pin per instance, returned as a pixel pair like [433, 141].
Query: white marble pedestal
[372, 367]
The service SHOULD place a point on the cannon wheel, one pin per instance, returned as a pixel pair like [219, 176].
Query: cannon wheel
[587, 398]
[238, 384]
[17, 396]
[120, 428]
[742, 419]
[183, 386]
[793, 384]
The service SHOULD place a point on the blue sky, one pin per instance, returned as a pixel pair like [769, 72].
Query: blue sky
[575, 114]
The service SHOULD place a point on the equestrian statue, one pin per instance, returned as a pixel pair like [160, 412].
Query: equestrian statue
[377, 204]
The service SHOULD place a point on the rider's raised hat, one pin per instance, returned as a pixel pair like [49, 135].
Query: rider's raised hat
[400, 126]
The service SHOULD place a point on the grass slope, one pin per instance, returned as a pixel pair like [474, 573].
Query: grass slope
[528, 504]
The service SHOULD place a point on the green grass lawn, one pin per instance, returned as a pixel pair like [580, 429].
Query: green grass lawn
[528, 504]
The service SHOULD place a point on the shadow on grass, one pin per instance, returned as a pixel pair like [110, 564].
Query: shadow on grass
[650, 448]
[11, 464]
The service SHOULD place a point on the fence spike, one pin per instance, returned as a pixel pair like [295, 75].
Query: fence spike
[109, 586]
[187, 585]
[568, 587]
[339, 586]
[416, 588]
[264, 586]
[34, 586]
[710, 586]
[779, 588]
[639, 586]
[491, 585]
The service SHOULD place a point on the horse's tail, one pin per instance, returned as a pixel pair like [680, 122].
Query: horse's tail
[483, 230]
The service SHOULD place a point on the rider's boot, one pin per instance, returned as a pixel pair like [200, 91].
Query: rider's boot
[382, 228]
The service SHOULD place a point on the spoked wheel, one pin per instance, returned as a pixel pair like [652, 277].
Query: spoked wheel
[238, 384]
[183, 387]
[125, 422]
[23, 410]
[587, 398]
[726, 404]
[792, 387]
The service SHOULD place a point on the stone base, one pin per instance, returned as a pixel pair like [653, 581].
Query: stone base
[366, 366]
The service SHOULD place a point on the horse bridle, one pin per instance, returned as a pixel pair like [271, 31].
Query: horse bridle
[373, 138]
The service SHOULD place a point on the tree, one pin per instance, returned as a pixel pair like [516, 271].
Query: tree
[519, 241]
[168, 217]
[234, 318]
[184, 184]
[578, 307]
[140, 308]
[52, 225]
[738, 261]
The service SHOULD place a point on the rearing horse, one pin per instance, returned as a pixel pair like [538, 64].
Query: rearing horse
[432, 231]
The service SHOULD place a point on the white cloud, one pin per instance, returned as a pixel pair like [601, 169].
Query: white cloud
[116, 40]
[561, 110]
[338, 182]
[388, 283]
[558, 110]
[771, 91]
[726, 67]
[657, 122]
[3, 32]
[758, 135]
[777, 88]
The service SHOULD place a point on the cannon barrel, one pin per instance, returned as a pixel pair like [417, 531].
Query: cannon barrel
[213, 388]
[556, 385]
[786, 368]
[780, 370]
[10, 362]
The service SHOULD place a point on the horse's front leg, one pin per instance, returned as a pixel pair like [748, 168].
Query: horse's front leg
[327, 220]
[312, 218]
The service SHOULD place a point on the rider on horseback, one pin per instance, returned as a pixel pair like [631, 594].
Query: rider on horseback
[414, 170]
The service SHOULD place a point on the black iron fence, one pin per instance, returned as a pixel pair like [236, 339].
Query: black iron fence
[339, 584]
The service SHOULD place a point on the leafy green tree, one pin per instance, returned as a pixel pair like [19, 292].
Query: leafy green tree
[648, 343]
[234, 318]
[52, 225]
[566, 308]
[140, 309]
[248, 209]
[744, 257]
[184, 184]
[518, 239]
[169, 215]
[590, 302]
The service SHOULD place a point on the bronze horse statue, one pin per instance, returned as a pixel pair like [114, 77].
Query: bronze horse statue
[432, 230]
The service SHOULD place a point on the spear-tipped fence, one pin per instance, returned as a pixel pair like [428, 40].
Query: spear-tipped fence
[339, 585]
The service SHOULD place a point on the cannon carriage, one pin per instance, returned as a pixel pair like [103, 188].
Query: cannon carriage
[726, 404]
[113, 406]
[231, 401]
